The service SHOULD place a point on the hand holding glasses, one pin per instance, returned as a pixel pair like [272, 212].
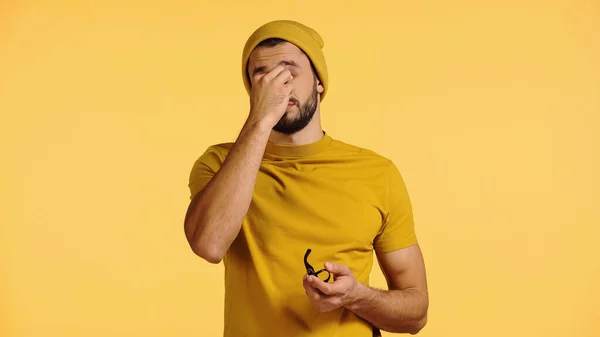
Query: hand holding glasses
[311, 271]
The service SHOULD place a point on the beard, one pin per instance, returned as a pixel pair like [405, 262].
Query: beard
[306, 111]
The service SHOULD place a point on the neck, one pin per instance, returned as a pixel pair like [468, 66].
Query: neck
[310, 134]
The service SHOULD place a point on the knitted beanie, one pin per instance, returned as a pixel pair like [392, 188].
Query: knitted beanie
[305, 38]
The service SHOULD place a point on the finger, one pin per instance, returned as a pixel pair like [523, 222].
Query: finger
[274, 73]
[257, 77]
[311, 292]
[283, 77]
[325, 288]
[338, 269]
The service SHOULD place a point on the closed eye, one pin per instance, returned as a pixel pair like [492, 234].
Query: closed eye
[285, 63]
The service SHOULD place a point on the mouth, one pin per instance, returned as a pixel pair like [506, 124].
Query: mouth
[292, 101]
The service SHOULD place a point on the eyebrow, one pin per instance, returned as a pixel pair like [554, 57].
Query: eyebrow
[282, 63]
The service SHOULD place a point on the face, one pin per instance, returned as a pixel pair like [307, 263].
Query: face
[304, 99]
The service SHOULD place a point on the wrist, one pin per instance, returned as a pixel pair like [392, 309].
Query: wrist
[361, 294]
[257, 126]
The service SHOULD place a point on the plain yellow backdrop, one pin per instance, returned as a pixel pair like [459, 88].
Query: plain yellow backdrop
[489, 109]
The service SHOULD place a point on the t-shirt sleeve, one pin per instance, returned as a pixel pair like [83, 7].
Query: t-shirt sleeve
[398, 228]
[204, 170]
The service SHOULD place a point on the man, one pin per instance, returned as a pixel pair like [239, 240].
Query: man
[286, 199]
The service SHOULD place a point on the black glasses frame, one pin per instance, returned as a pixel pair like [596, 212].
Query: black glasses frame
[311, 271]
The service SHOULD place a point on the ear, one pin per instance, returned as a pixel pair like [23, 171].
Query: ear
[320, 87]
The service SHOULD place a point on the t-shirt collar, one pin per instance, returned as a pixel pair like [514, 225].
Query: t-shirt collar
[299, 150]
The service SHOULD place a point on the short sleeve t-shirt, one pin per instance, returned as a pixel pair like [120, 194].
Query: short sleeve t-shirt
[341, 201]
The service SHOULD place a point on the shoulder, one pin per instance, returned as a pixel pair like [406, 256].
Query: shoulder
[343, 148]
[212, 156]
[219, 150]
[378, 168]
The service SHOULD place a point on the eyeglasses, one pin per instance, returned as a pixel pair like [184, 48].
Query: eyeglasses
[311, 271]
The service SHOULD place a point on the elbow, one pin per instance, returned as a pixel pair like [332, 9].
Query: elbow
[412, 327]
[213, 259]
[205, 248]
[420, 320]
[418, 325]
[201, 245]
[208, 252]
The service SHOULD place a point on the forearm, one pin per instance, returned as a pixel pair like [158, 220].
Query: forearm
[216, 214]
[396, 311]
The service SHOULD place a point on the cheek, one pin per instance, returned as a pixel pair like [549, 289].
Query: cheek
[302, 88]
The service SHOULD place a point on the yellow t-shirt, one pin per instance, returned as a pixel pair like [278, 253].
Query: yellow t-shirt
[341, 201]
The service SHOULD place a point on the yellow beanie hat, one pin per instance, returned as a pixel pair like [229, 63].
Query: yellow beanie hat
[294, 32]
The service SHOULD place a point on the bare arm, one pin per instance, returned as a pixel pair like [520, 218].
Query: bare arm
[402, 308]
[215, 215]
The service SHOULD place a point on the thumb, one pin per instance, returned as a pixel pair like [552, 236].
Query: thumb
[337, 269]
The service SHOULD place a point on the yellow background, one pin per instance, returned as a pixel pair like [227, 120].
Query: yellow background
[490, 110]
